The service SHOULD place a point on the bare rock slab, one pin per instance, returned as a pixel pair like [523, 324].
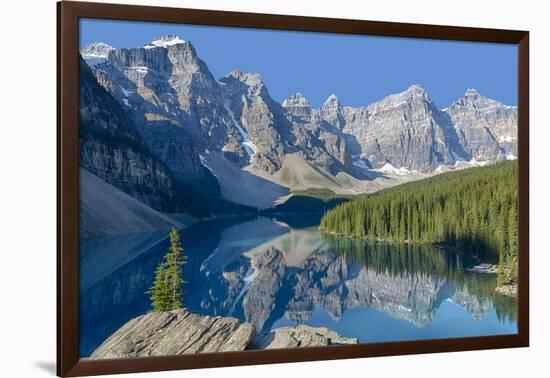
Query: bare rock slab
[298, 337]
[175, 333]
[508, 290]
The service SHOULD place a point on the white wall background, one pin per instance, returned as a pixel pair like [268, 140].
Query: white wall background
[27, 189]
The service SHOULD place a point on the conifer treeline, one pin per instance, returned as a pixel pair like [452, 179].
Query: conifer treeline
[474, 210]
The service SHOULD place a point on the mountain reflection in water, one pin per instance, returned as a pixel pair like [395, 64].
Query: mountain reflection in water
[275, 272]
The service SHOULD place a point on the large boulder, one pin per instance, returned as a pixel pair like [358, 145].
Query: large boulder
[175, 333]
[299, 337]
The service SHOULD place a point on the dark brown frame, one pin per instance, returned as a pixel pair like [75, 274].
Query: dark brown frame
[68, 13]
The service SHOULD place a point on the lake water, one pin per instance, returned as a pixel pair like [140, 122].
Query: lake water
[281, 271]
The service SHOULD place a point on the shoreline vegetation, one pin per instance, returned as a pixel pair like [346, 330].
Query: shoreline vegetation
[474, 211]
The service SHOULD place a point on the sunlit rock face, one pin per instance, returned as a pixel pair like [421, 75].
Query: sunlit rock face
[260, 116]
[96, 53]
[332, 111]
[317, 140]
[405, 130]
[487, 129]
[301, 336]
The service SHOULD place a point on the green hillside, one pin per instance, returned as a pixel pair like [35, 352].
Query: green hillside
[474, 210]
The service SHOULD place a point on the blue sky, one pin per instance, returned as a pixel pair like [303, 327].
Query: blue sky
[358, 69]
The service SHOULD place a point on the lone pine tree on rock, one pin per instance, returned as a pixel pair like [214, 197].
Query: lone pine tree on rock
[166, 293]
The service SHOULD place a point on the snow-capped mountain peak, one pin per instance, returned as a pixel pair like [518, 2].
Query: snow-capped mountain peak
[96, 50]
[296, 99]
[332, 101]
[416, 90]
[471, 92]
[165, 41]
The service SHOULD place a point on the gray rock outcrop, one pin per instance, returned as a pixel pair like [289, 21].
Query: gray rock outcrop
[403, 131]
[319, 142]
[262, 117]
[302, 336]
[175, 333]
[486, 129]
[179, 332]
[96, 53]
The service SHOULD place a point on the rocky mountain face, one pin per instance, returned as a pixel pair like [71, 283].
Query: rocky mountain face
[97, 52]
[318, 141]
[112, 149]
[408, 131]
[174, 101]
[486, 129]
[261, 118]
[405, 130]
[183, 113]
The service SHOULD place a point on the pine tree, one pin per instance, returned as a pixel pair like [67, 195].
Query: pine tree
[166, 293]
[160, 291]
[174, 262]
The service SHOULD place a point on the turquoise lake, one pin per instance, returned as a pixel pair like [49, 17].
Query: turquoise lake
[279, 271]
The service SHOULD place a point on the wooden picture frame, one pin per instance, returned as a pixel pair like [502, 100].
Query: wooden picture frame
[69, 13]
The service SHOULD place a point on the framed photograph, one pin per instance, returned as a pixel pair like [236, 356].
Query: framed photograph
[238, 188]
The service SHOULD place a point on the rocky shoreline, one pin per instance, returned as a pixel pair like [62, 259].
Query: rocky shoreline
[508, 290]
[182, 332]
[301, 336]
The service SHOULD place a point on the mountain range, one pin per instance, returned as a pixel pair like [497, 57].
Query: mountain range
[155, 123]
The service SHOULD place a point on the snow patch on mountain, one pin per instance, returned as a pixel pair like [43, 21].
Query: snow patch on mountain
[388, 168]
[165, 41]
[96, 50]
[507, 138]
[205, 165]
[247, 144]
[125, 91]
[472, 163]
[140, 69]
[297, 99]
